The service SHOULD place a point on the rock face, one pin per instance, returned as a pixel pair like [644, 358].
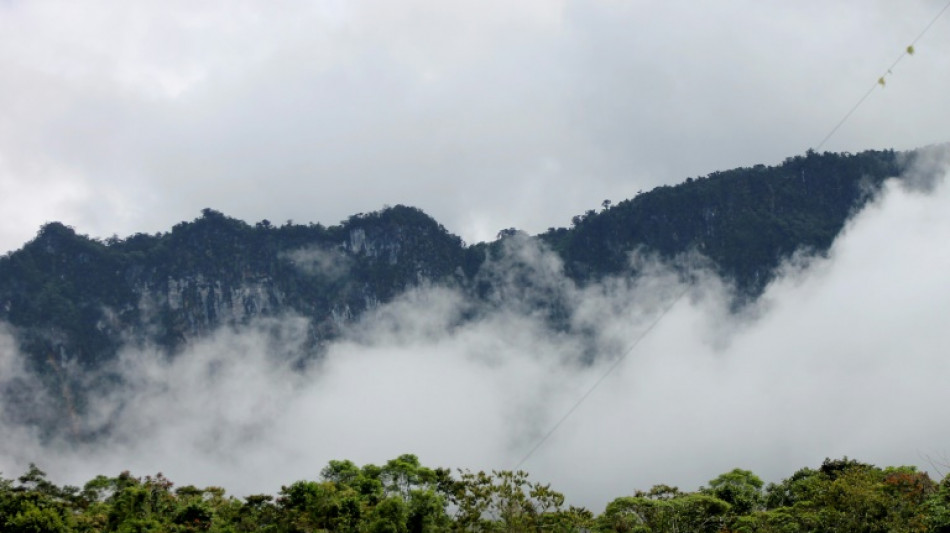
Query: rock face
[66, 293]
[72, 302]
[204, 304]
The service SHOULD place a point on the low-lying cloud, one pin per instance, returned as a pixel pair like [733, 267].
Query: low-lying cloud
[324, 262]
[842, 355]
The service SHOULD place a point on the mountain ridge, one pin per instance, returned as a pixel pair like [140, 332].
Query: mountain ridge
[73, 302]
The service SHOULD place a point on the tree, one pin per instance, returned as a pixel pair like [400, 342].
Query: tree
[32, 518]
[342, 473]
[426, 512]
[402, 474]
[739, 488]
[937, 507]
[506, 500]
[389, 516]
[694, 512]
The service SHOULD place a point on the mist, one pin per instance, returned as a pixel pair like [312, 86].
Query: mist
[843, 354]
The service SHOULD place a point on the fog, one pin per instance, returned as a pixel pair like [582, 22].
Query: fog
[842, 355]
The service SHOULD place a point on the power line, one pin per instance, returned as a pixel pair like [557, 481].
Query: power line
[600, 380]
[881, 81]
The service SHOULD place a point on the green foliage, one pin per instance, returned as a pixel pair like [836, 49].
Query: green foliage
[841, 495]
[426, 512]
[400, 476]
[937, 507]
[388, 516]
[31, 518]
[741, 489]
[74, 300]
[507, 501]
[676, 512]
[746, 220]
[847, 495]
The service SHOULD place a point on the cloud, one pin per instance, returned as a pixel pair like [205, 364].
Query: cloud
[328, 263]
[842, 355]
[487, 115]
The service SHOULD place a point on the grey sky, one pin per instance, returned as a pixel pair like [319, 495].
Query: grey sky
[118, 117]
[121, 117]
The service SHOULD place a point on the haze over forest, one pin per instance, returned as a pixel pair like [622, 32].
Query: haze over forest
[489, 117]
[839, 355]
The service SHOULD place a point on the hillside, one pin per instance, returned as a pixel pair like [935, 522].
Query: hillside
[73, 302]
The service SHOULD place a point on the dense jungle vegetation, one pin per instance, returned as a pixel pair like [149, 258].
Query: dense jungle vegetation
[73, 302]
[404, 496]
[76, 298]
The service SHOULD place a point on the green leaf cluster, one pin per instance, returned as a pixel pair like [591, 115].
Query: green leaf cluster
[404, 496]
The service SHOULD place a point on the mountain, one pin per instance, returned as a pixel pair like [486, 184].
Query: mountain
[745, 220]
[72, 302]
[73, 297]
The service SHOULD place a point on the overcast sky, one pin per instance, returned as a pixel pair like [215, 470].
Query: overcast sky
[119, 117]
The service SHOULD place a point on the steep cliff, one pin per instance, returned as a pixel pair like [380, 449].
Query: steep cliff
[73, 302]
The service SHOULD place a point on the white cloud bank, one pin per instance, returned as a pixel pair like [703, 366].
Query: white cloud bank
[844, 357]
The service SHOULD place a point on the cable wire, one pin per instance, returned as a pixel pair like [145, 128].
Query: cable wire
[881, 80]
[601, 379]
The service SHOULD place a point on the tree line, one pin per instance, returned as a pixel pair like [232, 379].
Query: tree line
[404, 496]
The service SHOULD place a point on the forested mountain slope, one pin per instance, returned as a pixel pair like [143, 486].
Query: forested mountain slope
[69, 296]
[746, 220]
[72, 302]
